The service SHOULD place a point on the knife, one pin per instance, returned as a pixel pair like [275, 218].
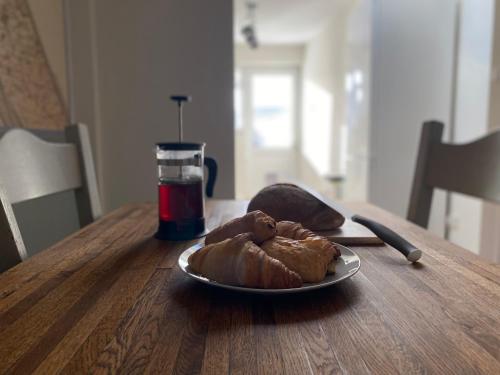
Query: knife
[387, 235]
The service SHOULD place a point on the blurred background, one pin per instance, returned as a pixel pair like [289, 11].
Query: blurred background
[330, 93]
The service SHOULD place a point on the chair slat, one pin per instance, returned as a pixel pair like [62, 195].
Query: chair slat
[421, 194]
[472, 169]
[47, 168]
[12, 249]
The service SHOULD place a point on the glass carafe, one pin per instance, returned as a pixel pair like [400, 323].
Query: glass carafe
[181, 203]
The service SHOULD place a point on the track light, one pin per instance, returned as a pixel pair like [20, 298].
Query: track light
[248, 30]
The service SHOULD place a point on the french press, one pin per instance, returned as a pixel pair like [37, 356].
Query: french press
[181, 203]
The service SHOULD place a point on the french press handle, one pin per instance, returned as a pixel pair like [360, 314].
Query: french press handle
[211, 165]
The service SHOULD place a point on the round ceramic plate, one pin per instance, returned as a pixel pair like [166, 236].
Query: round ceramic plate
[347, 265]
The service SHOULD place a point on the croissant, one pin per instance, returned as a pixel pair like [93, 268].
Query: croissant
[310, 257]
[258, 223]
[238, 261]
[296, 231]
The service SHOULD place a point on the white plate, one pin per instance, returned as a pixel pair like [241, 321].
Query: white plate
[347, 265]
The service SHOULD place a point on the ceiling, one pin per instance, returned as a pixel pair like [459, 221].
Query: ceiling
[285, 21]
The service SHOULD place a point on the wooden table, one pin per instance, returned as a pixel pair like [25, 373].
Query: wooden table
[111, 299]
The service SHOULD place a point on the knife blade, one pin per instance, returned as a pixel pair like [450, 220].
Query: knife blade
[411, 252]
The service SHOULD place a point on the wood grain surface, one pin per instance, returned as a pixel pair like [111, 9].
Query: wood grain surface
[111, 299]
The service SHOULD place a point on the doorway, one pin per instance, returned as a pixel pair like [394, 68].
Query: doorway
[266, 102]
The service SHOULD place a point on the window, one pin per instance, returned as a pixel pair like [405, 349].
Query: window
[272, 110]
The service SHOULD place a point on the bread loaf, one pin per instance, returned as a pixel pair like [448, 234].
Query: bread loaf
[288, 202]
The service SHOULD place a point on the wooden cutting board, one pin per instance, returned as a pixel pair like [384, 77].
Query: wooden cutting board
[352, 234]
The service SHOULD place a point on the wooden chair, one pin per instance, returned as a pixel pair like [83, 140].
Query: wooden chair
[56, 165]
[471, 168]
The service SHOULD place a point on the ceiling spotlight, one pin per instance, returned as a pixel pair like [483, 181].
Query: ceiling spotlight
[248, 30]
[249, 33]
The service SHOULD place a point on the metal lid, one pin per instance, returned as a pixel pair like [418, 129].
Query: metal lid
[176, 146]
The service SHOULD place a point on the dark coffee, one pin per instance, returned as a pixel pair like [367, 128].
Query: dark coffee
[180, 209]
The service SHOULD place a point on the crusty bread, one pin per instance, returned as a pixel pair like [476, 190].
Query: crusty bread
[292, 203]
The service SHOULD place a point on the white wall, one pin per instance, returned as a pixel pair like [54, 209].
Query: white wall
[141, 53]
[269, 56]
[490, 235]
[83, 94]
[494, 108]
[412, 56]
[323, 102]
[471, 108]
[357, 87]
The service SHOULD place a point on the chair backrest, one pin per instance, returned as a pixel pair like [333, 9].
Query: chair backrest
[471, 168]
[35, 164]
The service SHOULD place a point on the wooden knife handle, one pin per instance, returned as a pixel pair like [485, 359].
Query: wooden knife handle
[390, 237]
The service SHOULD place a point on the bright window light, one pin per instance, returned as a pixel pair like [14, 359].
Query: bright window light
[358, 77]
[272, 110]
